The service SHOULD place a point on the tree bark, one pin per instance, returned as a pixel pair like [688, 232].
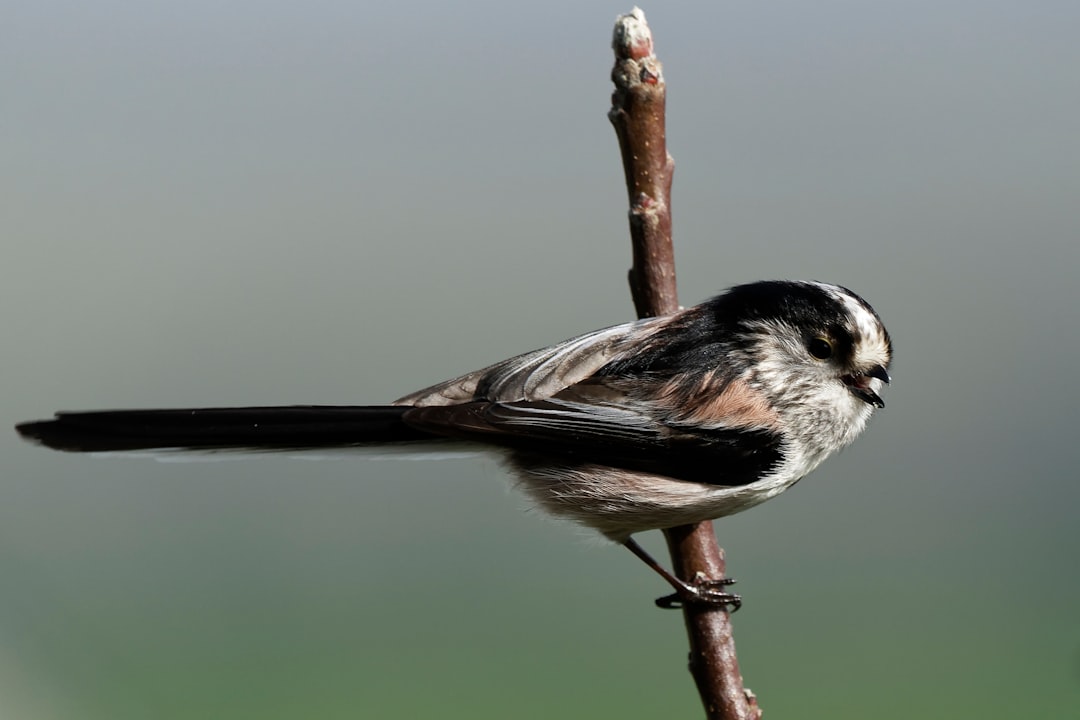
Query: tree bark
[637, 112]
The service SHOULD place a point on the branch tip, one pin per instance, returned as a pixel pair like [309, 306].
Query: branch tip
[632, 37]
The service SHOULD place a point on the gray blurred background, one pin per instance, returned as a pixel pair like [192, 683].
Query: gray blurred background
[272, 203]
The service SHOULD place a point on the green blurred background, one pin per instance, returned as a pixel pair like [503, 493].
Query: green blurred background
[265, 203]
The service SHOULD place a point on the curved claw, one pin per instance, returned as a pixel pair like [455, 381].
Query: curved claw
[702, 592]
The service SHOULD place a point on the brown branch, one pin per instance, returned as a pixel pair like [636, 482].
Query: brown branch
[637, 112]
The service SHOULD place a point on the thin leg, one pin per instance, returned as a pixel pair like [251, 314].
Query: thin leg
[702, 591]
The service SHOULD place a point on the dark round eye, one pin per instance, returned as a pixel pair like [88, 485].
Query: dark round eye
[820, 348]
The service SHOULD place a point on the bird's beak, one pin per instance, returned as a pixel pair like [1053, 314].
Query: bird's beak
[879, 372]
[859, 384]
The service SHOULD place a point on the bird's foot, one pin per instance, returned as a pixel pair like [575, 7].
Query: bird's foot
[703, 591]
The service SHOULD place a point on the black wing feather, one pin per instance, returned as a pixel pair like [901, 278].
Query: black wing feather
[614, 436]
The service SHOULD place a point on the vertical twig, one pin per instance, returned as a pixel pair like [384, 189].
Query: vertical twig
[637, 112]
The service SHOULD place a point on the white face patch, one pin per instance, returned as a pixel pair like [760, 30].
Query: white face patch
[873, 348]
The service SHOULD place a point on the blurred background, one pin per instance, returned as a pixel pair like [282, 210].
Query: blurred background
[275, 203]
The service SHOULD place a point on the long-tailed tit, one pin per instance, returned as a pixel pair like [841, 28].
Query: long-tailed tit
[652, 424]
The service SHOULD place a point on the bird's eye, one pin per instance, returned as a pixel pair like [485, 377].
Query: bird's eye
[820, 348]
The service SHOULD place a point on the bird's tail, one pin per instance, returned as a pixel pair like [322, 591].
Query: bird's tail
[257, 428]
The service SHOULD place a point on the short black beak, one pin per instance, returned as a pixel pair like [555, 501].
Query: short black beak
[879, 372]
[859, 385]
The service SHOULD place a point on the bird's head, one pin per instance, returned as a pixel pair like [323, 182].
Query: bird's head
[819, 351]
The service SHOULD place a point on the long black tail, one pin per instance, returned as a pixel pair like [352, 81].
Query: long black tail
[269, 428]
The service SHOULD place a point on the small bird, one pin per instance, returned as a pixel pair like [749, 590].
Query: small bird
[648, 425]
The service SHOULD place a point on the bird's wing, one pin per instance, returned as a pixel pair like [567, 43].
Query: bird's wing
[608, 434]
[618, 397]
[541, 373]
